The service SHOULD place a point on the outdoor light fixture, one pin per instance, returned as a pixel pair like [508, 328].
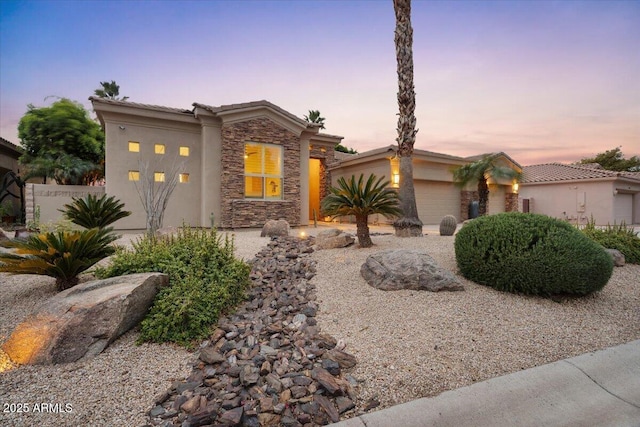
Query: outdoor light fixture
[122, 127]
[515, 187]
[396, 179]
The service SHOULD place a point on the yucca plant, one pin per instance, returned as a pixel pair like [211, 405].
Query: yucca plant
[62, 255]
[94, 211]
[361, 199]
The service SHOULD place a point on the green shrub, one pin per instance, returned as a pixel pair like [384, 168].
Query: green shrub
[618, 237]
[531, 254]
[62, 255]
[205, 281]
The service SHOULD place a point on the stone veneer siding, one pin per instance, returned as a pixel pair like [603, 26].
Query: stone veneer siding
[238, 212]
[466, 197]
[511, 202]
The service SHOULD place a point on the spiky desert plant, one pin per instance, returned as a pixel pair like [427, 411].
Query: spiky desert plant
[448, 225]
[361, 199]
[94, 211]
[62, 255]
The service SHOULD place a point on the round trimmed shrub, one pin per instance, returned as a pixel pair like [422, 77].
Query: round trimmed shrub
[531, 254]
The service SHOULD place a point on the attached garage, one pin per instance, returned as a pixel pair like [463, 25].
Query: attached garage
[497, 195]
[623, 208]
[435, 200]
[436, 194]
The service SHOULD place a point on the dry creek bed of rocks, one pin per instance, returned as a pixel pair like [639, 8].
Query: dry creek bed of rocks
[268, 364]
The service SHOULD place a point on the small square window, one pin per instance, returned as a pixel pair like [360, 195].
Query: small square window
[158, 176]
[184, 178]
[134, 176]
[184, 151]
[159, 148]
[134, 146]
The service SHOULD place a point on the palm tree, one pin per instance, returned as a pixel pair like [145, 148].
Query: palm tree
[314, 117]
[481, 171]
[409, 225]
[62, 255]
[361, 200]
[110, 90]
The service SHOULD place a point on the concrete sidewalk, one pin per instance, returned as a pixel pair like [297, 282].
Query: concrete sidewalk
[594, 389]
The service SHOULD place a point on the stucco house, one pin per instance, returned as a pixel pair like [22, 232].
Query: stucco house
[578, 192]
[239, 165]
[436, 193]
[242, 164]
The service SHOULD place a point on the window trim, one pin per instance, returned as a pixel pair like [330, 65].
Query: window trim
[264, 176]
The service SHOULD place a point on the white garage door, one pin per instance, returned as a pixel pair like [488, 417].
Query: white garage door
[496, 199]
[435, 200]
[623, 208]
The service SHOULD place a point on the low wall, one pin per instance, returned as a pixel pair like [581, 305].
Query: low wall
[51, 197]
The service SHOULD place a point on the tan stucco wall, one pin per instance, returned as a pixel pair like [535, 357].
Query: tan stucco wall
[184, 203]
[575, 202]
[378, 167]
[51, 197]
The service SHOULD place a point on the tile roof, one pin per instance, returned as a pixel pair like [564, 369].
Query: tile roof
[139, 105]
[553, 172]
[10, 146]
[255, 104]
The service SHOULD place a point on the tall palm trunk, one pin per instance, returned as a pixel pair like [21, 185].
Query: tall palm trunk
[409, 225]
[362, 231]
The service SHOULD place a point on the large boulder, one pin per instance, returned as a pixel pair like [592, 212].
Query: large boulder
[407, 269]
[275, 227]
[82, 321]
[333, 238]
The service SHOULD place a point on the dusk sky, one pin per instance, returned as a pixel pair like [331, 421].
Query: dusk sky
[543, 81]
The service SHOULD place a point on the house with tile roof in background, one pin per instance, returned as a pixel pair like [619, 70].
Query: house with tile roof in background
[578, 193]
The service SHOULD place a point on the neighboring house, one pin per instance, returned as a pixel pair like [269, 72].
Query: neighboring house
[9, 155]
[239, 165]
[436, 193]
[579, 192]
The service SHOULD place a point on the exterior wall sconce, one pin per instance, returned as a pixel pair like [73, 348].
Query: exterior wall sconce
[395, 179]
[515, 187]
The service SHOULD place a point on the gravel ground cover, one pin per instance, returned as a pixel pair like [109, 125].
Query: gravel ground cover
[409, 344]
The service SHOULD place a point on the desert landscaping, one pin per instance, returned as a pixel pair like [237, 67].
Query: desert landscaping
[408, 344]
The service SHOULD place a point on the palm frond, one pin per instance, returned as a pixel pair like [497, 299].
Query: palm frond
[62, 255]
[359, 198]
[93, 212]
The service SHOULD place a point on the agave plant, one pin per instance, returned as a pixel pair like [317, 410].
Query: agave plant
[62, 255]
[92, 211]
[361, 199]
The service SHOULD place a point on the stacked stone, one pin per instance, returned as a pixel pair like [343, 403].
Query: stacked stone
[268, 364]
